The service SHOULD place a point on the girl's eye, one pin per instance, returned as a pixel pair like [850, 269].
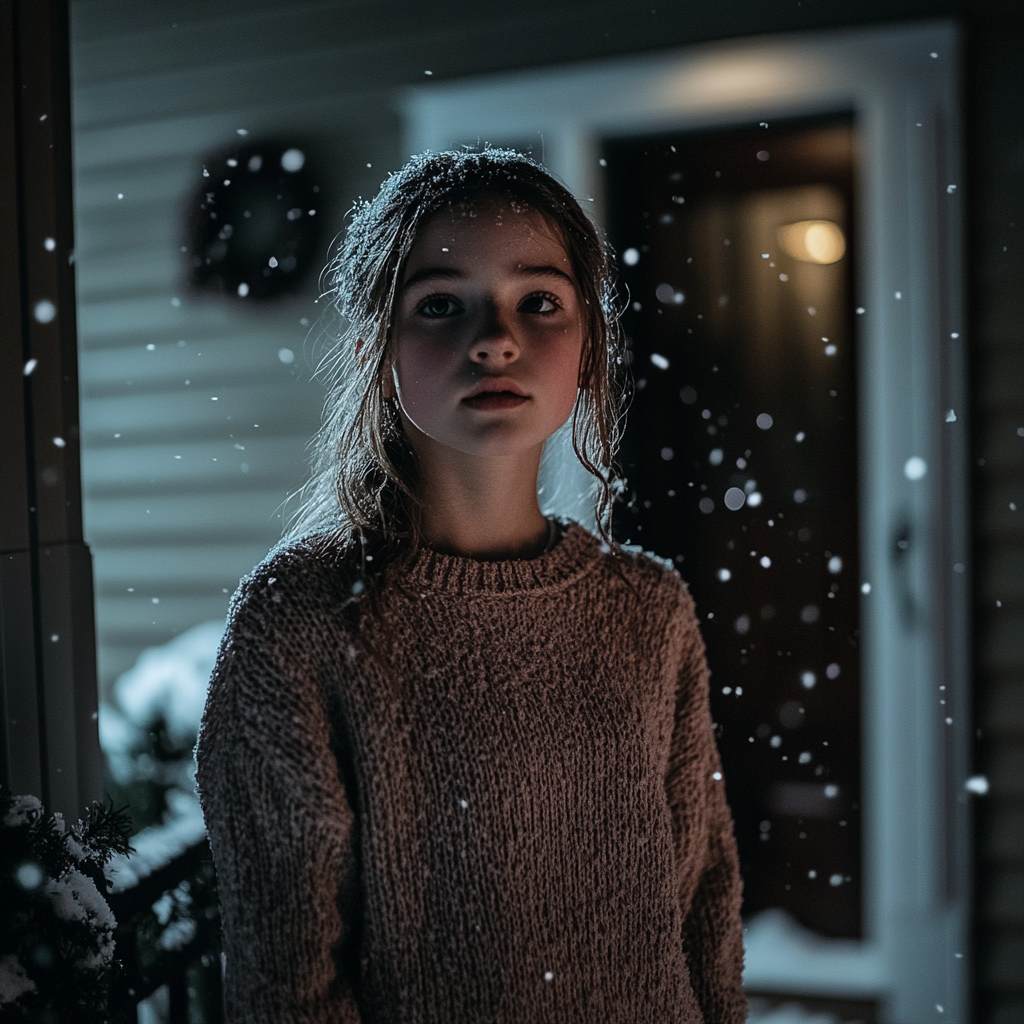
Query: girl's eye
[439, 306]
[540, 303]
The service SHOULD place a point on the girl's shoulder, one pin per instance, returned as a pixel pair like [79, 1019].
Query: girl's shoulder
[650, 576]
[648, 562]
[663, 599]
[313, 571]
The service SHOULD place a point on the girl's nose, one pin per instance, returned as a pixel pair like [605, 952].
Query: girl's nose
[495, 341]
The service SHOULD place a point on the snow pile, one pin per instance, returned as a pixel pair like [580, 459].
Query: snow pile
[14, 982]
[167, 684]
[780, 955]
[787, 1013]
[74, 897]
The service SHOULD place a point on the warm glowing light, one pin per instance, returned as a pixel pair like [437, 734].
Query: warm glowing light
[717, 81]
[813, 241]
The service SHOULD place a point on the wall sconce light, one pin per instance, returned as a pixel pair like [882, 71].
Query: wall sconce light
[813, 241]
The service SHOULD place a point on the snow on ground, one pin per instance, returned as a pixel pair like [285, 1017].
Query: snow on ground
[787, 1013]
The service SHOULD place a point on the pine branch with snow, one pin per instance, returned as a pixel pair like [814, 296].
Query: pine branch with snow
[56, 928]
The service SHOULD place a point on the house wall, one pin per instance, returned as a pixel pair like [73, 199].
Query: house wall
[995, 162]
[156, 86]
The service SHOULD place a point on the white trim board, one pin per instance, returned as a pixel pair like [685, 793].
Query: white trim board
[902, 85]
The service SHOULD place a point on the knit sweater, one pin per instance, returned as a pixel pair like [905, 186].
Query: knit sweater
[490, 793]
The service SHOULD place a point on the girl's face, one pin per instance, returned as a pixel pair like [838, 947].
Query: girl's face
[487, 334]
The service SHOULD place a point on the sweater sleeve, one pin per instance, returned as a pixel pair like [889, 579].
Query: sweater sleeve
[707, 860]
[279, 822]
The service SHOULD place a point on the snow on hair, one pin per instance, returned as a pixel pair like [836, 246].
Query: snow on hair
[362, 484]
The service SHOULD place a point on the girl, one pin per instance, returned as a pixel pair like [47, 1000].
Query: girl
[457, 762]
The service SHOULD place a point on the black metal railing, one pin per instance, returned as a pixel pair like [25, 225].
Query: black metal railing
[168, 934]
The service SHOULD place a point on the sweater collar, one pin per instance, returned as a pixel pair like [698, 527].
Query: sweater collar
[573, 553]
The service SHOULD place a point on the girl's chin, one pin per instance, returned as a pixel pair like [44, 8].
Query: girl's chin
[492, 445]
[480, 436]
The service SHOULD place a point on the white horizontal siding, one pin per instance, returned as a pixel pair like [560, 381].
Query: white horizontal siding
[196, 566]
[273, 407]
[188, 495]
[138, 623]
[188, 516]
[176, 360]
[204, 464]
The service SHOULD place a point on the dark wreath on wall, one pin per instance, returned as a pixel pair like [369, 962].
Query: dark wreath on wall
[253, 221]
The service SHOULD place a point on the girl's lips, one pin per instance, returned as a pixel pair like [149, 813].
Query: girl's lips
[495, 400]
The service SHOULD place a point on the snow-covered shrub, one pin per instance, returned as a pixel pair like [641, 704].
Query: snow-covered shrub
[149, 729]
[56, 928]
[148, 732]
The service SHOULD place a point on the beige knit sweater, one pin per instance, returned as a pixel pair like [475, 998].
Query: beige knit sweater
[492, 794]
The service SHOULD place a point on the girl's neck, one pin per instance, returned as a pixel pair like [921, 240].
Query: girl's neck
[481, 508]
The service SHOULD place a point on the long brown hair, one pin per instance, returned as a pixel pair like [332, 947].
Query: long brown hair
[362, 487]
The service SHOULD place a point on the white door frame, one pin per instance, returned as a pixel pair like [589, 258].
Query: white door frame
[901, 83]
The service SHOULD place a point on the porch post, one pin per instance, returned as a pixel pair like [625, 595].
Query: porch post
[49, 742]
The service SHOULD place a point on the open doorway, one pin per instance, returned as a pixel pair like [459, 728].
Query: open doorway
[741, 456]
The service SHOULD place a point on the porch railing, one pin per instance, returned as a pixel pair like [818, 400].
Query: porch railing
[168, 934]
